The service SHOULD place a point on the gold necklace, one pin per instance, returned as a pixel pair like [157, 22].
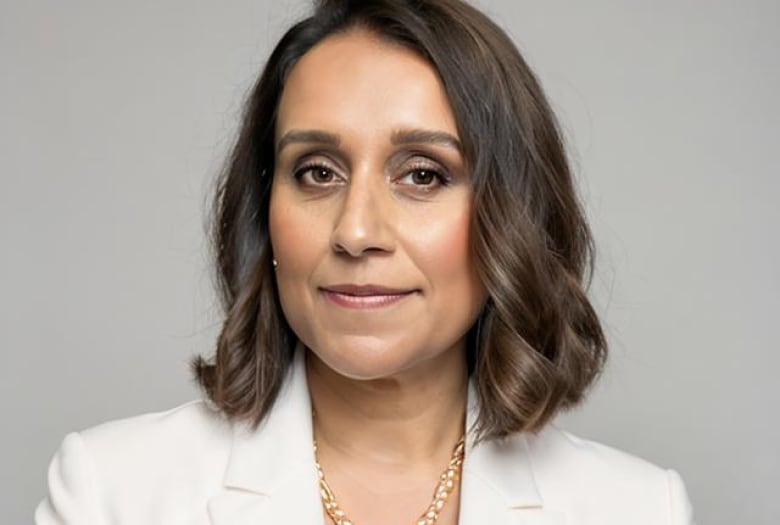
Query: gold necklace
[448, 482]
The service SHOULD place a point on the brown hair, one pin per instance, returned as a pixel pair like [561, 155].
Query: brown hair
[538, 344]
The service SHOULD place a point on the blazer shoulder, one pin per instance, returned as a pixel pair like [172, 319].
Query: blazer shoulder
[192, 436]
[588, 476]
[195, 420]
[161, 458]
[553, 444]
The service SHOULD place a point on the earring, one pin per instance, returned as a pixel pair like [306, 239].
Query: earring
[274, 263]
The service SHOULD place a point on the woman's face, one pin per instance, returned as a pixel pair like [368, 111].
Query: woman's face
[370, 210]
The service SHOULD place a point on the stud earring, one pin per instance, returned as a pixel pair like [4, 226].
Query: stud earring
[275, 263]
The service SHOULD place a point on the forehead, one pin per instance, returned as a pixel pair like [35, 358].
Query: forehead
[358, 81]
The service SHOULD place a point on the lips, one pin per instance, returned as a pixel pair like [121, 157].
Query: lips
[365, 295]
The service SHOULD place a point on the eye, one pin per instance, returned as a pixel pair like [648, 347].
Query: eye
[315, 174]
[424, 177]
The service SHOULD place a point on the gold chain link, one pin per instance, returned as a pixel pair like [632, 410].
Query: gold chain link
[448, 482]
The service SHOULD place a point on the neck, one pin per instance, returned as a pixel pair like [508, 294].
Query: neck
[414, 417]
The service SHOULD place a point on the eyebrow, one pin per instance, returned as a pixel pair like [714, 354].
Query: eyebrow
[307, 136]
[424, 136]
[399, 137]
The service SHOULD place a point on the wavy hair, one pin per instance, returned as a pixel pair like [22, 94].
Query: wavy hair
[538, 344]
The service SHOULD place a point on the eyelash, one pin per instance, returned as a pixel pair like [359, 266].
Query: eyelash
[441, 178]
[314, 166]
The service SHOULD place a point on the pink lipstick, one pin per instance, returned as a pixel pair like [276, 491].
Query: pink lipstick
[364, 296]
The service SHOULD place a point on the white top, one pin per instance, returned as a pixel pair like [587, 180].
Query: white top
[188, 465]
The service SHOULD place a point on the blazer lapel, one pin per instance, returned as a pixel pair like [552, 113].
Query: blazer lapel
[270, 476]
[498, 485]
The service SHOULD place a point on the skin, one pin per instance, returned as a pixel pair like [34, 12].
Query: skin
[379, 193]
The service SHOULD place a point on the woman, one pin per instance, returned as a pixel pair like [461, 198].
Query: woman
[402, 257]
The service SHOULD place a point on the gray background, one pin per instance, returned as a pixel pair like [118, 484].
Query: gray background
[114, 118]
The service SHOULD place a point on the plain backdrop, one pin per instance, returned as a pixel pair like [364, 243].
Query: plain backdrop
[114, 120]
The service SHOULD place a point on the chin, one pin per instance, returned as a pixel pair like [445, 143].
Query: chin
[366, 358]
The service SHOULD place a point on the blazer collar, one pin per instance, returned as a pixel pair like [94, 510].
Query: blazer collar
[505, 465]
[270, 472]
[498, 484]
[282, 446]
[270, 475]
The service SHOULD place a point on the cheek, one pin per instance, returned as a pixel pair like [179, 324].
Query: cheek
[295, 247]
[292, 236]
[444, 252]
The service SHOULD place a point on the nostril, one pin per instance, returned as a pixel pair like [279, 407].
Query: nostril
[339, 247]
[358, 252]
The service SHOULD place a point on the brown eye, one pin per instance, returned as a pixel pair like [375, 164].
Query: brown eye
[321, 175]
[424, 177]
[314, 174]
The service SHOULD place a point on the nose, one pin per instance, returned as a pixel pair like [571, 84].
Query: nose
[363, 222]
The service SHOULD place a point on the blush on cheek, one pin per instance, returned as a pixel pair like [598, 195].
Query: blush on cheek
[446, 253]
[291, 233]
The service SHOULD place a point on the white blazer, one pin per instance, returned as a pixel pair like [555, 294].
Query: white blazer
[190, 466]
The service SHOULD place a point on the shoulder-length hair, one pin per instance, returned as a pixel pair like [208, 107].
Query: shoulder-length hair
[538, 343]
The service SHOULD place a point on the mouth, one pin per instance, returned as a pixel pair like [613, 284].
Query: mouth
[365, 296]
